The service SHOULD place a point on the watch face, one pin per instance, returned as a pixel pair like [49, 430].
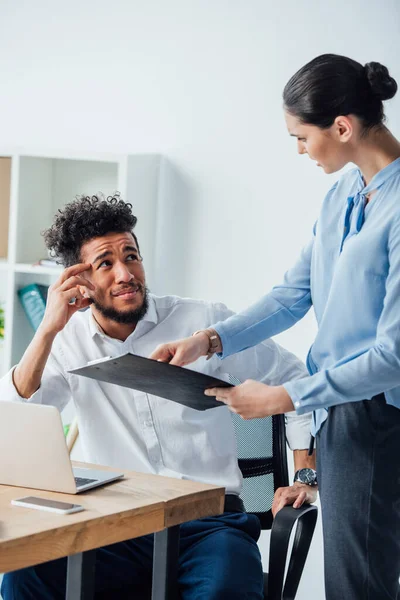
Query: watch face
[307, 476]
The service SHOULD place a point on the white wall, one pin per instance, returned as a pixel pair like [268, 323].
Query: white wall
[201, 82]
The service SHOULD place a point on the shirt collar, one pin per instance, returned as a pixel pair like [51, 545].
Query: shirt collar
[151, 316]
[356, 203]
[379, 179]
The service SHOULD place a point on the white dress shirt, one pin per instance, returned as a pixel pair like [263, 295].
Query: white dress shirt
[132, 430]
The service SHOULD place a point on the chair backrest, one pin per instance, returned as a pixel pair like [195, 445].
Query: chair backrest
[262, 459]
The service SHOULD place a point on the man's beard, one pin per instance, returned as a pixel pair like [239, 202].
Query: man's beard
[125, 317]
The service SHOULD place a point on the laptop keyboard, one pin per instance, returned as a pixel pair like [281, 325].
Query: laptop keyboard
[83, 481]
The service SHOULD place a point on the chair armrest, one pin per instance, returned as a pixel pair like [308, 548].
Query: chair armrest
[305, 518]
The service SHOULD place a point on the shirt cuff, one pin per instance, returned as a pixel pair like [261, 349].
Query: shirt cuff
[298, 392]
[298, 430]
[226, 350]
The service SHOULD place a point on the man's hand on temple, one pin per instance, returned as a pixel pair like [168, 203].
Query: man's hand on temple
[59, 307]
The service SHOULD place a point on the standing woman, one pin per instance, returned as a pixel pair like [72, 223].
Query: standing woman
[350, 274]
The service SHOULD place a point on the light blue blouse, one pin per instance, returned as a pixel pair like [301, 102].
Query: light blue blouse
[350, 273]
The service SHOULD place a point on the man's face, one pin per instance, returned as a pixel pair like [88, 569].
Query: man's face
[118, 277]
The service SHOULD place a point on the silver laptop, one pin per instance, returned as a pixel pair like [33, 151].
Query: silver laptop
[34, 452]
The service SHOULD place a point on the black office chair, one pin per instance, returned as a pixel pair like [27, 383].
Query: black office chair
[263, 462]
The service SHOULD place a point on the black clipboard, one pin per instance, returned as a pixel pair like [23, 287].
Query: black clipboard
[157, 378]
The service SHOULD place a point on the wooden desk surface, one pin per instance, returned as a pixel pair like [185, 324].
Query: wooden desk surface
[134, 506]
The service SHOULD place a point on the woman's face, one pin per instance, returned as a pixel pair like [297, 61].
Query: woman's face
[326, 146]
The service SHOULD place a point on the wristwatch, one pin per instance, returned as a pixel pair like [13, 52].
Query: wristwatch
[306, 476]
[214, 341]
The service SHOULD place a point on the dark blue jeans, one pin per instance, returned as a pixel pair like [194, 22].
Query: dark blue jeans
[358, 462]
[219, 559]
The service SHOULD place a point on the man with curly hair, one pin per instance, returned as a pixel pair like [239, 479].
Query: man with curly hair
[93, 238]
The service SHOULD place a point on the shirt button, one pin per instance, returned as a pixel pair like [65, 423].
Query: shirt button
[297, 404]
[148, 423]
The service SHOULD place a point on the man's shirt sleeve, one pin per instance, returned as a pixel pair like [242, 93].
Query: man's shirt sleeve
[54, 389]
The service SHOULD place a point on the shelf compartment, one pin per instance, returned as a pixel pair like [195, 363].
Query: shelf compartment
[38, 269]
[45, 186]
[5, 187]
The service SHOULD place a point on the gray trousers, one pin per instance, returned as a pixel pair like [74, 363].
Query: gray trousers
[358, 462]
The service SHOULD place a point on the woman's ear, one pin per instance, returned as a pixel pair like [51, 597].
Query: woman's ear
[344, 128]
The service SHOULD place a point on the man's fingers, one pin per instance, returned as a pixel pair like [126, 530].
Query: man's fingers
[287, 496]
[72, 294]
[276, 502]
[300, 500]
[280, 499]
[166, 353]
[165, 359]
[80, 304]
[278, 493]
[177, 360]
[74, 281]
[74, 270]
[169, 355]
[160, 353]
[279, 505]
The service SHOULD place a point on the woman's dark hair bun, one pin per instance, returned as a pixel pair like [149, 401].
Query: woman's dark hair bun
[331, 85]
[382, 84]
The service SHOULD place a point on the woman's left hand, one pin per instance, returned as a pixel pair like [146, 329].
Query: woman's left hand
[254, 400]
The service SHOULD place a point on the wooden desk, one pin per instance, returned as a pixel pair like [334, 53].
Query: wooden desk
[137, 505]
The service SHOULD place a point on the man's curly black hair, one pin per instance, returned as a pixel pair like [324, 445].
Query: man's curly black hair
[83, 219]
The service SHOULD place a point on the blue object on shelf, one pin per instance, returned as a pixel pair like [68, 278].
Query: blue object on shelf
[33, 298]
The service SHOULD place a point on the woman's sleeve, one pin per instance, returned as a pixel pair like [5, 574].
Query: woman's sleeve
[374, 371]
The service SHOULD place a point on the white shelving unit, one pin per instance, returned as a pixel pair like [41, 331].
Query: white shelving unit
[33, 187]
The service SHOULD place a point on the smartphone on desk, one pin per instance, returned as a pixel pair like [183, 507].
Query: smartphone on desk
[62, 508]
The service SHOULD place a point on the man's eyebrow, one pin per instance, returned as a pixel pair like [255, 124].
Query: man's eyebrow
[108, 253]
[131, 249]
[101, 256]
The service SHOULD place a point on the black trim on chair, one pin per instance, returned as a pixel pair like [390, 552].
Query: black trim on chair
[286, 518]
[254, 467]
[281, 475]
[276, 587]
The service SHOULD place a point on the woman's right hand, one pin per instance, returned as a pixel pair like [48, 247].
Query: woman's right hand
[59, 308]
[182, 352]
